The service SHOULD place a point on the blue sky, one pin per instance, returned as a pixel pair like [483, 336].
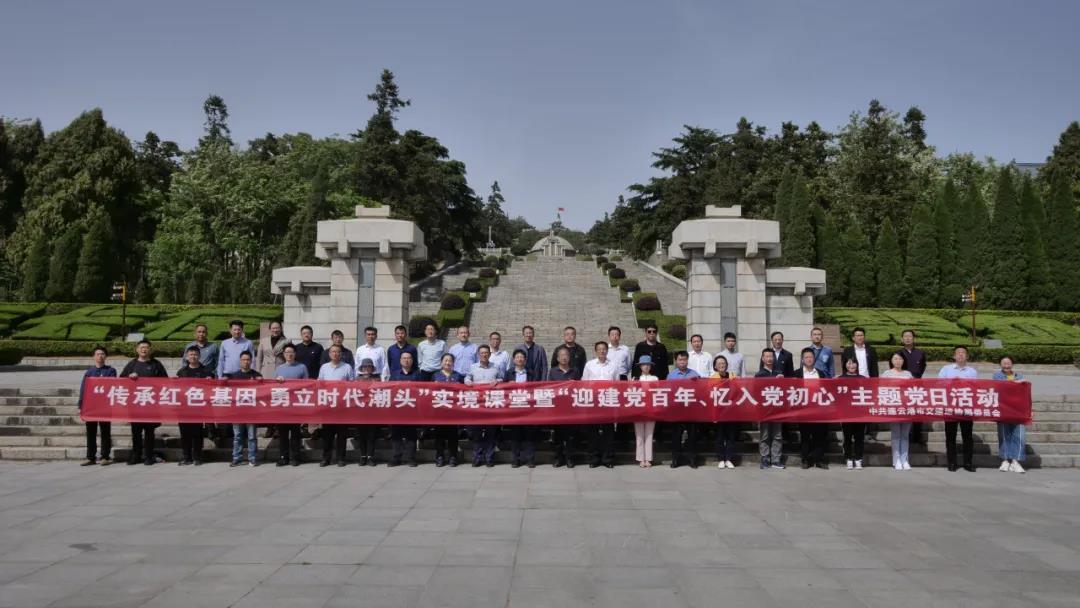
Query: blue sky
[562, 102]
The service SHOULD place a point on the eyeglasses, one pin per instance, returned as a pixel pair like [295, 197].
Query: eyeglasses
[650, 331]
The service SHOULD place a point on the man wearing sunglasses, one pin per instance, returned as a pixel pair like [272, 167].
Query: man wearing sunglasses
[652, 347]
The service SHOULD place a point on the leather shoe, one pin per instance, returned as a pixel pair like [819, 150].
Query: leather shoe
[953, 468]
[970, 468]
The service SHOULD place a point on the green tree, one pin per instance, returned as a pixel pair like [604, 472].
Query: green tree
[36, 271]
[216, 124]
[860, 258]
[22, 141]
[495, 218]
[946, 206]
[299, 247]
[93, 279]
[1040, 289]
[972, 237]
[913, 127]
[889, 264]
[64, 265]
[830, 257]
[798, 248]
[1063, 242]
[922, 274]
[1005, 284]
[1065, 160]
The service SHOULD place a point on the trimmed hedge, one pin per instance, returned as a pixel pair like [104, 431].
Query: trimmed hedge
[616, 258]
[607, 266]
[488, 273]
[10, 356]
[630, 285]
[1021, 354]
[472, 285]
[452, 301]
[417, 325]
[71, 348]
[647, 303]
[601, 260]
[679, 272]
[617, 273]
[676, 331]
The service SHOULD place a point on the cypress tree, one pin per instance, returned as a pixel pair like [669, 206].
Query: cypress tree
[798, 248]
[1040, 291]
[64, 265]
[972, 236]
[889, 265]
[860, 261]
[1007, 265]
[922, 272]
[1062, 243]
[947, 205]
[831, 245]
[783, 209]
[92, 282]
[36, 271]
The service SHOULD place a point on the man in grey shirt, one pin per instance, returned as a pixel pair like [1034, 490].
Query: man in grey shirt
[289, 434]
[483, 437]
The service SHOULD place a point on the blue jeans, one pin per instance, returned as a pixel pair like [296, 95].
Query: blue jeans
[240, 432]
[1011, 441]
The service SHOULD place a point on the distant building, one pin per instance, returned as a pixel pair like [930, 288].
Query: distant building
[1031, 169]
[553, 246]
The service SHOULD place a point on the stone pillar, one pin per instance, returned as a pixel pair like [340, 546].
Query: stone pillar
[366, 284]
[730, 289]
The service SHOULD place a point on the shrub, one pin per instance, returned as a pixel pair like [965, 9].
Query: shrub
[417, 325]
[647, 303]
[679, 272]
[670, 264]
[73, 348]
[630, 285]
[10, 356]
[616, 258]
[488, 273]
[519, 250]
[617, 273]
[491, 260]
[472, 285]
[677, 332]
[608, 266]
[452, 301]
[584, 258]
[601, 260]
[501, 264]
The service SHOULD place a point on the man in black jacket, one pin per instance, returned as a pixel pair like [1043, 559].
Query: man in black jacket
[577, 351]
[191, 433]
[782, 359]
[914, 362]
[144, 365]
[866, 356]
[652, 347]
[813, 435]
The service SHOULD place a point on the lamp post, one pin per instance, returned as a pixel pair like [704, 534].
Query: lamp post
[970, 297]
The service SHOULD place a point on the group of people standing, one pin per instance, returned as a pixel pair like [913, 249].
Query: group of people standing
[470, 363]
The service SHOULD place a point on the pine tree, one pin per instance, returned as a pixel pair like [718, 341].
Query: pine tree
[1040, 291]
[889, 264]
[922, 272]
[1062, 243]
[92, 277]
[831, 256]
[63, 265]
[783, 203]
[36, 271]
[860, 260]
[972, 236]
[1007, 265]
[798, 248]
[946, 207]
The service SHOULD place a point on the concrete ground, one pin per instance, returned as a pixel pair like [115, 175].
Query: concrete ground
[309, 536]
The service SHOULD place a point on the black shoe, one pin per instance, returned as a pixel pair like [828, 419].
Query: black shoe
[148, 461]
[324, 463]
[198, 463]
[953, 468]
[490, 463]
[516, 464]
[439, 461]
[822, 465]
[394, 463]
[477, 463]
[674, 463]
[693, 463]
[183, 463]
[294, 463]
[453, 462]
[611, 465]
[569, 463]
[532, 464]
[132, 461]
[970, 468]
[558, 463]
[371, 461]
[341, 463]
[593, 465]
[282, 463]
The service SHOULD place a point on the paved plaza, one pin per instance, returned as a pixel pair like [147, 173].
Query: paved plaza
[298, 537]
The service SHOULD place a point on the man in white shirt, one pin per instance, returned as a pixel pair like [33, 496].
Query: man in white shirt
[370, 350]
[734, 358]
[618, 353]
[482, 437]
[500, 359]
[601, 436]
[700, 360]
[960, 370]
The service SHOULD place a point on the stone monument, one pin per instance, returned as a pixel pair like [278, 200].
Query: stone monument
[730, 289]
[367, 282]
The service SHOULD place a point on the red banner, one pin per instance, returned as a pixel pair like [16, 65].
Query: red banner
[547, 403]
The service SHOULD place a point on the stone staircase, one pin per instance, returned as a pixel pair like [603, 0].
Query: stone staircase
[45, 425]
[549, 294]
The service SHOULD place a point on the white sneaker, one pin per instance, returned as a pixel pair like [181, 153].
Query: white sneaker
[898, 466]
[907, 466]
[850, 465]
[858, 465]
[720, 465]
[728, 464]
[1005, 466]
[1016, 468]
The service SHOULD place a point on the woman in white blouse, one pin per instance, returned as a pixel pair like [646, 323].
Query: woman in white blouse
[901, 431]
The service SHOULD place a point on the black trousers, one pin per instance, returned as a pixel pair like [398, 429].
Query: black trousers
[726, 434]
[365, 440]
[333, 440]
[916, 432]
[563, 440]
[91, 440]
[678, 449]
[965, 427]
[288, 442]
[812, 436]
[601, 444]
[403, 438]
[483, 439]
[446, 442]
[142, 441]
[191, 441]
[854, 436]
[523, 443]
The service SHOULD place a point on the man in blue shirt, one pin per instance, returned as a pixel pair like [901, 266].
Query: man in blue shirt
[464, 352]
[400, 345]
[98, 370]
[823, 355]
[229, 357]
[208, 351]
[535, 355]
[682, 371]
[959, 369]
[430, 351]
